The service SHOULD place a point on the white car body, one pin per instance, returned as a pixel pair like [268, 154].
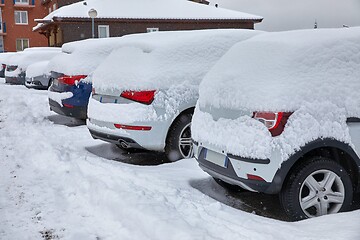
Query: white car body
[288, 98]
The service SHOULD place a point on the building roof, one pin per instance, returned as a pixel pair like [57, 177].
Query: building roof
[145, 9]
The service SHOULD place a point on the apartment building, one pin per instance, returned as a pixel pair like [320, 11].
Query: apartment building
[17, 19]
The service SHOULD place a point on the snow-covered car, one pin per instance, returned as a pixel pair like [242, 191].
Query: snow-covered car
[71, 73]
[280, 114]
[3, 58]
[145, 93]
[38, 76]
[17, 64]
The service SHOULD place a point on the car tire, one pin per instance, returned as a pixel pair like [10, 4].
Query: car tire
[178, 142]
[228, 186]
[319, 186]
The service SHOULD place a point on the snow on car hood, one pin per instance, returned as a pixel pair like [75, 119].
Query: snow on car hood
[165, 59]
[281, 71]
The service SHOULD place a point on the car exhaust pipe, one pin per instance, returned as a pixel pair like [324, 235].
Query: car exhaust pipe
[124, 144]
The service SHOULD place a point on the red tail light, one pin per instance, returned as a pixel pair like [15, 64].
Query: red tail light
[254, 177]
[68, 105]
[146, 97]
[275, 122]
[70, 80]
[135, 128]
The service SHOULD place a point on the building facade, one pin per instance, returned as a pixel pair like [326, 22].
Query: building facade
[75, 24]
[52, 5]
[17, 19]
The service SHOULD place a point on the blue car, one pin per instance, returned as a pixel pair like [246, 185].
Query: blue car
[69, 95]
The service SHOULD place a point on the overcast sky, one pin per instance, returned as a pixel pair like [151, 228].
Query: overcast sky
[282, 15]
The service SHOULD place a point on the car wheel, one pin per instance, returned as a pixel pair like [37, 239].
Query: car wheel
[317, 187]
[178, 142]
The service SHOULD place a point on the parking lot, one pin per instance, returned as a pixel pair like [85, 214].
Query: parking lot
[58, 182]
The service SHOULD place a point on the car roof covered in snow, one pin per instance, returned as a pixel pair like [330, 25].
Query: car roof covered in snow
[5, 56]
[280, 71]
[83, 57]
[25, 58]
[166, 58]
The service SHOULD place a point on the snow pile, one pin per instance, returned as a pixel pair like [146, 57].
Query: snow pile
[51, 183]
[144, 9]
[37, 69]
[59, 96]
[85, 56]
[312, 72]
[280, 71]
[26, 58]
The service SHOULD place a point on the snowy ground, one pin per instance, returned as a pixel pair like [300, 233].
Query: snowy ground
[56, 182]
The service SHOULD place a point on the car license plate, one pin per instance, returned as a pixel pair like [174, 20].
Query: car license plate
[107, 99]
[216, 158]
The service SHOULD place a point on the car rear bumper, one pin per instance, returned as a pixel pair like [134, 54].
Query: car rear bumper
[79, 112]
[37, 82]
[15, 80]
[152, 139]
[228, 174]
[123, 141]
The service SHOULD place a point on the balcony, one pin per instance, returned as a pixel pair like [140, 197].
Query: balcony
[24, 4]
[2, 28]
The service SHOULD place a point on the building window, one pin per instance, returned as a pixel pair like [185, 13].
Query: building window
[21, 1]
[54, 6]
[103, 31]
[50, 10]
[21, 44]
[152, 30]
[21, 17]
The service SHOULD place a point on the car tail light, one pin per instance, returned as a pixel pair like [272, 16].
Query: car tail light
[136, 128]
[68, 105]
[254, 177]
[146, 97]
[70, 80]
[275, 122]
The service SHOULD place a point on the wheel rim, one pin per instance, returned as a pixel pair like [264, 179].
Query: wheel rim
[321, 193]
[185, 142]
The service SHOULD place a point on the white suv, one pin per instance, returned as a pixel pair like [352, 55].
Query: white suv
[280, 114]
